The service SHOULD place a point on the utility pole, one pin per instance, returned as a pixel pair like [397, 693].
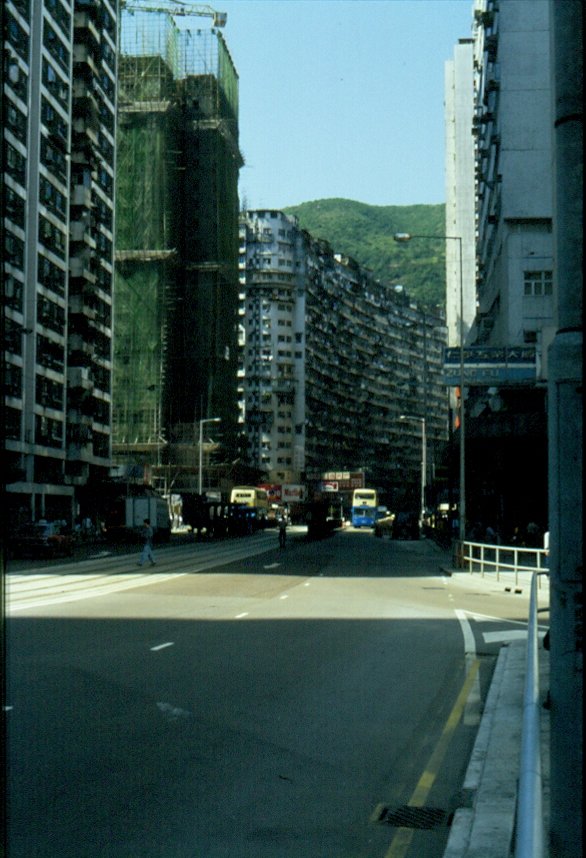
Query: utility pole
[565, 412]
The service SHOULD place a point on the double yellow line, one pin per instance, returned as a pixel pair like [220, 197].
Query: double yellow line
[403, 836]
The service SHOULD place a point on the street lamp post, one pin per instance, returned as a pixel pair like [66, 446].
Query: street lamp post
[405, 237]
[200, 471]
[423, 462]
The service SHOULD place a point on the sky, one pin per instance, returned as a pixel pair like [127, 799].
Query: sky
[342, 98]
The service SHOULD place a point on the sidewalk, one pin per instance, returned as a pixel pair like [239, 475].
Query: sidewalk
[485, 826]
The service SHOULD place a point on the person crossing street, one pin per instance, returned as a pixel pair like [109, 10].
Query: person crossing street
[282, 531]
[147, 550]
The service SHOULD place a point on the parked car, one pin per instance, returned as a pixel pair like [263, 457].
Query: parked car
[44, 539]
[384, 526]
[406, 526]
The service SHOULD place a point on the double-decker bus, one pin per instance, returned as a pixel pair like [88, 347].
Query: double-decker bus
[364, 507]
[255, 499]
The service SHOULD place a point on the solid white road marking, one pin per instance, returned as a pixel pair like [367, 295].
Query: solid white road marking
[271, 566]
[239, 616]
[472, 707]
[161, 646]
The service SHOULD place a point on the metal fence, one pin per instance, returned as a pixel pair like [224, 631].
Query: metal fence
[530, 841]
[501, 559]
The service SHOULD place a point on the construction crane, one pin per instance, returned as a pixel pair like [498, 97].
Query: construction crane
[177, 9]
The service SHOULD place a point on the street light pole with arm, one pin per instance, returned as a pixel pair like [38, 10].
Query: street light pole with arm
[200, 470]
[404, 237]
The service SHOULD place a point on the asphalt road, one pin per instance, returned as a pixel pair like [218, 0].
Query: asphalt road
[316, 702]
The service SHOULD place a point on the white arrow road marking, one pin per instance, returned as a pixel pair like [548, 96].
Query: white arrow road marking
[507, 635]
[471, 714]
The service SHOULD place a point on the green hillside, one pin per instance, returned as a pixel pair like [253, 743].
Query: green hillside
[366, 233]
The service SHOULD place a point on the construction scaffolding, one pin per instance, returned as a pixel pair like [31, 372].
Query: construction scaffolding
[176, 236]
[186, 51]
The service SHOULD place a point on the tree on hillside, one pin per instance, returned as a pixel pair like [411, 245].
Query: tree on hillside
[365, 233]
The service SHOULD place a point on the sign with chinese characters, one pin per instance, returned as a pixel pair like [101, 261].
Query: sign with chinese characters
[490, 366]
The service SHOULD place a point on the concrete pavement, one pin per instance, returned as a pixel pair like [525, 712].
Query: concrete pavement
[485, 826]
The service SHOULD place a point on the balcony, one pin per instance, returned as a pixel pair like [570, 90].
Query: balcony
[79, 233]
[82, 196]
[83, 55]
[86, 31]
[79, 307]
[84, 127]
[79, 377]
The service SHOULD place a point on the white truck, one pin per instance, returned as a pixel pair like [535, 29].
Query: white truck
[152, 507]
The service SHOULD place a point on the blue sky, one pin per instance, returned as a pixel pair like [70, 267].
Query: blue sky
[342, 98]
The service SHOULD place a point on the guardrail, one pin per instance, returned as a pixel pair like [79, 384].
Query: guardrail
[529, 835]
[482, 557]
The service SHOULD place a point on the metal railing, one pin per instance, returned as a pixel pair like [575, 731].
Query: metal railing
[530, 835]
[482, 557]
[498, 560]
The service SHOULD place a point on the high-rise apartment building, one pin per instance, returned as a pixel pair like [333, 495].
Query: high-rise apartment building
[506, 348]
[331, 360]
[460, 193]
[513, 129]
[59, 93]
[176, 241]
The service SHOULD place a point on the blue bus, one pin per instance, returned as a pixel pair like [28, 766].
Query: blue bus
[364, 507]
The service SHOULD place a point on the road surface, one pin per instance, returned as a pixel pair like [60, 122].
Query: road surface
[245, 701]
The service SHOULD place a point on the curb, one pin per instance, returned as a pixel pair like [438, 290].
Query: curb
[486, 828]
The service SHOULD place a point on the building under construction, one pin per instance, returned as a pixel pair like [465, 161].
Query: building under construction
[176, 293]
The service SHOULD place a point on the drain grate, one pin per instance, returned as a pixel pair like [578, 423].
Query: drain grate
[414, 817]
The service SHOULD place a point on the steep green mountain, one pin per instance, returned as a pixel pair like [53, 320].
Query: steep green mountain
[366, 233]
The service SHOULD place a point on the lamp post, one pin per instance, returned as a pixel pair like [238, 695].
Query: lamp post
[405, 237]
[201, 425]
[423, 461]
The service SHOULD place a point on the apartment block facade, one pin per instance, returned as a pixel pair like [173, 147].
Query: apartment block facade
[506, 347]
[460, 220]
[59, 92]
[331, 360]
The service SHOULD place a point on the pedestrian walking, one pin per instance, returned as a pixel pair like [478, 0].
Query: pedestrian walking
[147, 549]
[282, 531]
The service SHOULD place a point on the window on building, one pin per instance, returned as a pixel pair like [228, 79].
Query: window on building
[12, 423]
[537, 283]
[13, 292]
[13, 250]
[17, 37]
[55, 46]
[16, 121]
[13, 380]
[15, 163]
[14, 207]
